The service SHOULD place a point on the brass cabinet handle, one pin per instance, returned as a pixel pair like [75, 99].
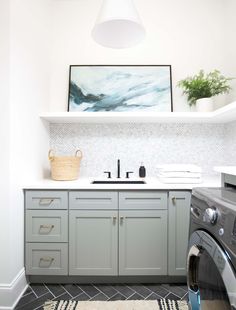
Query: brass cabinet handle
[47, 259]
[47, 262]
[174, 200]
[45, 201]
[47, 226]
[121, 220]
[48, 229]
[114, 218]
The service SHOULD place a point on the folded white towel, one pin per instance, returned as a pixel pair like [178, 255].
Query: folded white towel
[180, 168]
[181, 180]
[179, 174]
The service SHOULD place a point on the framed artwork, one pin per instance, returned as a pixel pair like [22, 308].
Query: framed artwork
[120, 88]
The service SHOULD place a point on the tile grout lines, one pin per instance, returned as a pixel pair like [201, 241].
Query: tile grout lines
[83, 292]
[99, 291]
[123, 290]
[34, 292]
[184, 296]
[134, 294]
[49, 290]
[125, 285]
[28, 294]
[151, 294]
[117, 292]
[67, 292]
[37, 297]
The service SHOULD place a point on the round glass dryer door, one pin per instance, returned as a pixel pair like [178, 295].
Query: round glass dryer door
[211, 278]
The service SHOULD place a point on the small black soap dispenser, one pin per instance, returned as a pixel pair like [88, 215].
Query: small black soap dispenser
[142, 171]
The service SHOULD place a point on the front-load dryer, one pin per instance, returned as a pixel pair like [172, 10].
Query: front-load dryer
[211, 258]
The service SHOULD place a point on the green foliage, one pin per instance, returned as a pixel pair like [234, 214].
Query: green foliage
[204, 85]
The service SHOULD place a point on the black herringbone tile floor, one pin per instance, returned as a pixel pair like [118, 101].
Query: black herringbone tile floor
[36, 294]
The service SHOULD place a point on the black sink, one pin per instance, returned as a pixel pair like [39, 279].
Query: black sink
[118, 182]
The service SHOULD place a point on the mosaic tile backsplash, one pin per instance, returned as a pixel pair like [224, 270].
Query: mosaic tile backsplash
[153, 144]
[230, 143]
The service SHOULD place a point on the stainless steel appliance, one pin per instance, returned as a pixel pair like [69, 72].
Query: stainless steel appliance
[211, 260]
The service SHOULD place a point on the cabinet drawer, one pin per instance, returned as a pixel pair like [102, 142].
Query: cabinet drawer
[46, 226]
[46, 259]
[46, 199]
[143, 200]
[93, 200]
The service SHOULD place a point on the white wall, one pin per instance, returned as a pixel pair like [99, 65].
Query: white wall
[188, 34]
[30, 84]
[230, 43]
[30, 34]
[30, 70]
[4, 136]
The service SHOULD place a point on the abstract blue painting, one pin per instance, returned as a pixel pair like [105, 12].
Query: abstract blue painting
[120, 88]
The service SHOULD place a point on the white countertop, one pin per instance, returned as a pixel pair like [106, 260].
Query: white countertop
[151, 184]
[226, 169]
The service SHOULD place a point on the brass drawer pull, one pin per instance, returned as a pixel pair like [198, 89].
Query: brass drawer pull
[45, 201]
[47, 259]
[122, 220]
[45, 262]
[48, 227]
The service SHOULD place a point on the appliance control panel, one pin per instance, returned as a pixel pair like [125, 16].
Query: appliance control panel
[221, 231]
[210, 215]
[216, 216]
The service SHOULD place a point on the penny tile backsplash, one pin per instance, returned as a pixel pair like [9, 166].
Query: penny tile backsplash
[206, 145]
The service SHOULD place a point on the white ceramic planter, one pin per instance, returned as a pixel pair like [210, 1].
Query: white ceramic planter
[204, 105]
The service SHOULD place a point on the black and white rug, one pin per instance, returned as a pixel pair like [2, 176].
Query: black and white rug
[161, 304]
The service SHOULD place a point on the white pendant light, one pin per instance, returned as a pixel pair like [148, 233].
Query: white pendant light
[118, 25]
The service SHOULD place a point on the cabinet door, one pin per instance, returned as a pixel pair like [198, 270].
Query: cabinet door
[178, 222]
[143, 242]
[93, 243]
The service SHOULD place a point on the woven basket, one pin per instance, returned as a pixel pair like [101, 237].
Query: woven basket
[65, 168]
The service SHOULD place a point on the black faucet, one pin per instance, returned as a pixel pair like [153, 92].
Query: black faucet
[118, 169]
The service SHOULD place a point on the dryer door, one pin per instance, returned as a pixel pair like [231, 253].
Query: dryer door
[211, 278]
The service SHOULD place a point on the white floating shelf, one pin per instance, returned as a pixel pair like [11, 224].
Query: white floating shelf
[225, 114]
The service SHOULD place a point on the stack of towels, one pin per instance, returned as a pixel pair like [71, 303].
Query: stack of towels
[180, 173]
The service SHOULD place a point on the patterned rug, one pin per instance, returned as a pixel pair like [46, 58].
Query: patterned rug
[162, 304]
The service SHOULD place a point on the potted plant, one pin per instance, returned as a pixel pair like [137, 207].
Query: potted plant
[202, 87]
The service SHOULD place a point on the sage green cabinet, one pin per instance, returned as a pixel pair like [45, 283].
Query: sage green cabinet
[46, 232]
[143, 242]
[120, 241]
[106, 233]
[178, 230]
[93, 242]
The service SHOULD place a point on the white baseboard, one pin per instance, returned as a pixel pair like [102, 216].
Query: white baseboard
[11, 293]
